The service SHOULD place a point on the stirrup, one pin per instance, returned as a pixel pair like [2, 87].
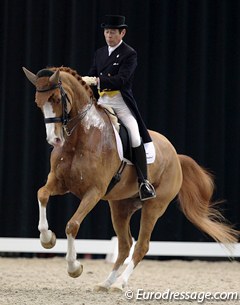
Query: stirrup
[146, 191]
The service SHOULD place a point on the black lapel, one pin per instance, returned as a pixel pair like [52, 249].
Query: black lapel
[113, 56]
[103, 58]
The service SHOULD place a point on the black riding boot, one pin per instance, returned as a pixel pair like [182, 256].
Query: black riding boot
[146, 189]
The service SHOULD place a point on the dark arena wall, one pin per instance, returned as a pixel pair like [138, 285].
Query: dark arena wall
[186, 86]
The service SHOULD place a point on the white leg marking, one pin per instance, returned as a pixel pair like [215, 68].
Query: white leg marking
[122, 280]
[127, 272]
[46, 234]
[111, 278]
[71, 256]
[108, 282]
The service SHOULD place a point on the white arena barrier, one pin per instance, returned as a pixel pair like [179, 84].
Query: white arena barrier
[110, 248]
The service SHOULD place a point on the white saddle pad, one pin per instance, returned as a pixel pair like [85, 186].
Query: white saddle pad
[149, 148]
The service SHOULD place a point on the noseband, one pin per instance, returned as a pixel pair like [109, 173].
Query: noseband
[64, 119]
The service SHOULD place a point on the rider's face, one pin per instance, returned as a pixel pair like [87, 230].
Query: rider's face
[113, 36]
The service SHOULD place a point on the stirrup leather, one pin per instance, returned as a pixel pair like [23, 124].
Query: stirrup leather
[146, 191]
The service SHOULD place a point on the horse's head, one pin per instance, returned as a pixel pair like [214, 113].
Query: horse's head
[53, 101]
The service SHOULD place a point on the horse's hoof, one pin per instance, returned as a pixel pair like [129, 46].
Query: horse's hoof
[77, 272]
[51, 243]
[100, 287]
[116, 288]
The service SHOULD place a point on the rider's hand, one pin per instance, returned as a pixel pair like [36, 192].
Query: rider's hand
[90, 80]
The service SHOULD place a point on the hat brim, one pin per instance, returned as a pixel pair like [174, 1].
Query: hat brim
[110, 26]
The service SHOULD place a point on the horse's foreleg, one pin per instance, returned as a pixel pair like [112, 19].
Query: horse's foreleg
[89, 200]
[75, 268]
[47, 237]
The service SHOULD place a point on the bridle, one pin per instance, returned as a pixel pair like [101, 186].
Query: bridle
[68, 124]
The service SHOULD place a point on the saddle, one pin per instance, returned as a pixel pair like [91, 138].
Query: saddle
[126, 145]
[122, 131]
[126, 141]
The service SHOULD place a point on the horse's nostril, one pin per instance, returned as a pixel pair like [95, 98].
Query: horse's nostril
[57, 140]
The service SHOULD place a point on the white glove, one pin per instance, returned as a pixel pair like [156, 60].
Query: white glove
[90, 80]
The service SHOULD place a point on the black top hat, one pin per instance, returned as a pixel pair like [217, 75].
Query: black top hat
[114, 22]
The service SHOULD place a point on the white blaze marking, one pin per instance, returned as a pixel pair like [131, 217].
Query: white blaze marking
[48, 113]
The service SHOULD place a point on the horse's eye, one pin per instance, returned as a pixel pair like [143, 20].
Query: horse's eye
[55, 100]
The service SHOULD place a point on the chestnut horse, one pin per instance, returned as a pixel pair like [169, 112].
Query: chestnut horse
[85, 158]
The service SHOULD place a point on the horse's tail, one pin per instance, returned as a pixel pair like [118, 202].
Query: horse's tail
[195, 202]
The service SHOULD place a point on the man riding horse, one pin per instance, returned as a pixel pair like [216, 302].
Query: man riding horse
[112, 72]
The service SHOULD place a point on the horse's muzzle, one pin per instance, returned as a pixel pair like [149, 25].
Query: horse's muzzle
[56, 142]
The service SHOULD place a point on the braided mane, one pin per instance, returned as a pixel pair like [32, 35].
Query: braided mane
[77, 76]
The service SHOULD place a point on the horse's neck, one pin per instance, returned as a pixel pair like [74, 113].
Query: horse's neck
[95, 118]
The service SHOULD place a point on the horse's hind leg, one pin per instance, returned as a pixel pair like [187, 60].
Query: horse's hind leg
[121, 212]
[151, 211]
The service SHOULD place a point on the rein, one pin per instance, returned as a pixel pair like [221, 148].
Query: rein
[64, 119]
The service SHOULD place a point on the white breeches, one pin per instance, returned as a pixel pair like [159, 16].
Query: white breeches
[124, 114]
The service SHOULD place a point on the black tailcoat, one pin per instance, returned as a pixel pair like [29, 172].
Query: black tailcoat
[116, 72]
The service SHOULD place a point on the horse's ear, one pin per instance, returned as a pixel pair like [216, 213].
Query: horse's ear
[31, 76]
[54, 78]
